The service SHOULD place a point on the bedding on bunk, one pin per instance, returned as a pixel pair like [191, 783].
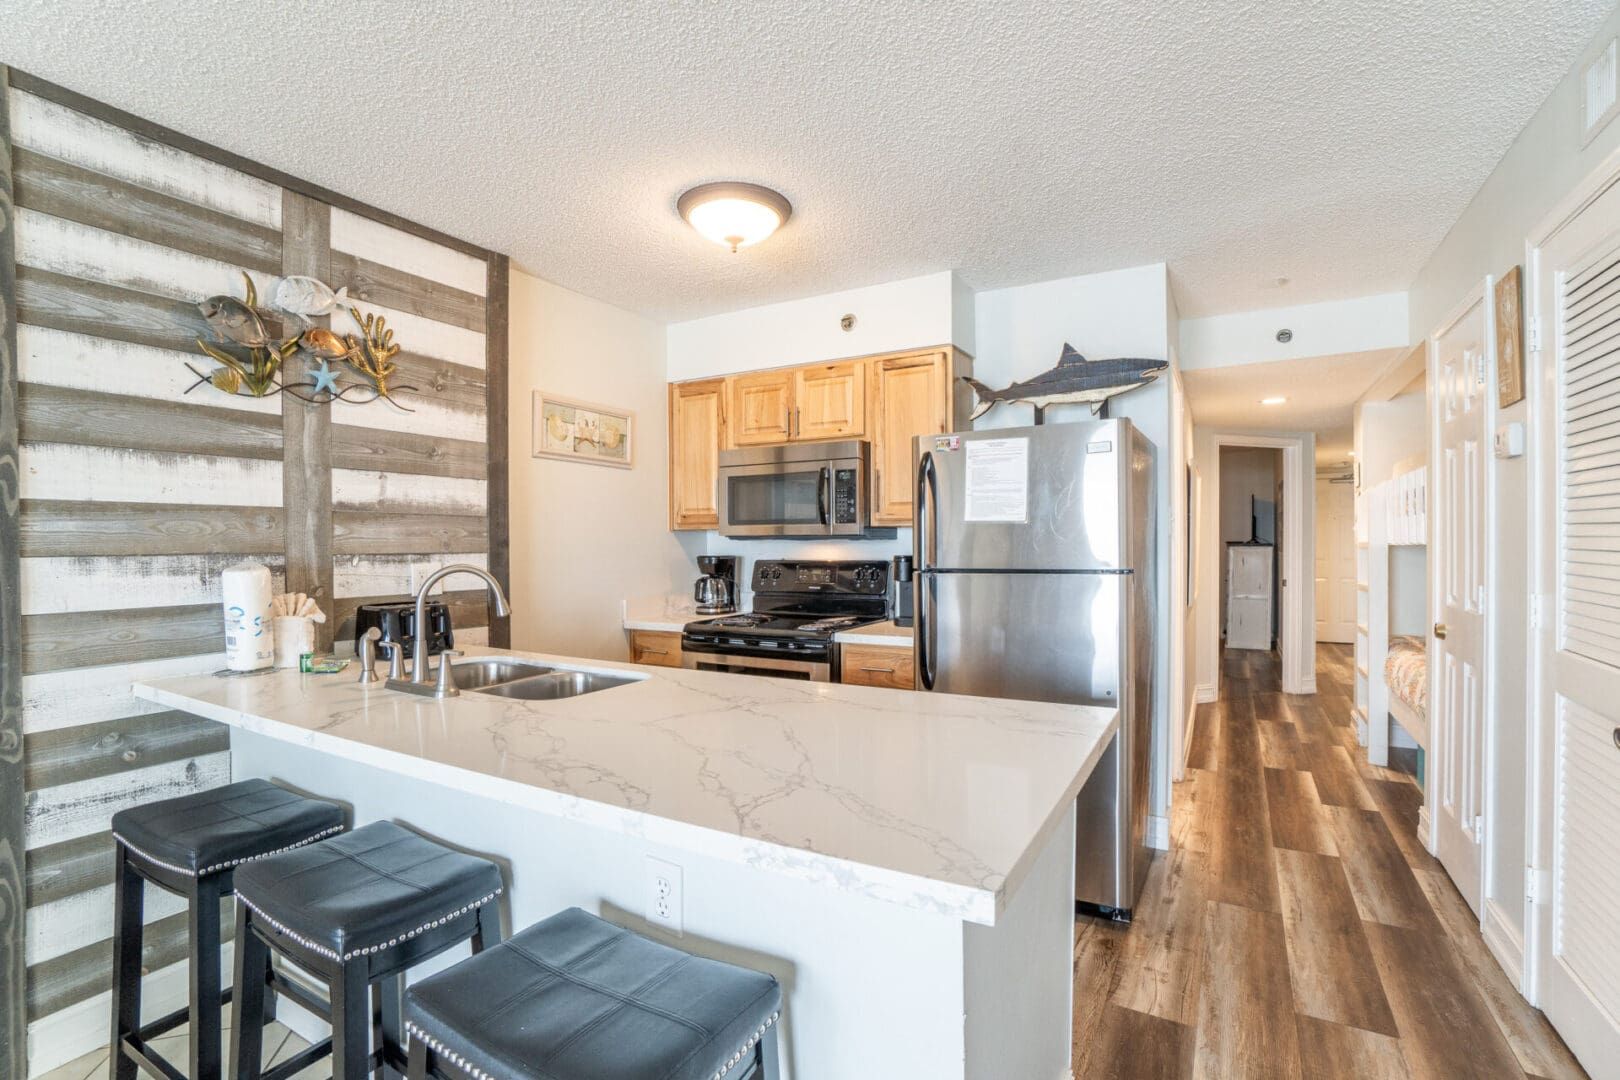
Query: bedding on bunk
[1406, 671]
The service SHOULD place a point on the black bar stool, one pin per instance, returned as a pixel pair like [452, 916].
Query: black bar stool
[577, 998]
[192, 846]
[356, 911]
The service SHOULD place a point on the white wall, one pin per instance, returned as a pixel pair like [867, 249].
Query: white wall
[585, 537]
[1331, 328]
[1392, 433]
[888, 318]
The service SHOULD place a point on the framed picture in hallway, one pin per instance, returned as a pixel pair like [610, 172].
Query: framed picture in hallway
[582, 431]
[1509, 338]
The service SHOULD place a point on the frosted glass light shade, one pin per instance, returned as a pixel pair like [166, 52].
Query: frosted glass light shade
[734, 214]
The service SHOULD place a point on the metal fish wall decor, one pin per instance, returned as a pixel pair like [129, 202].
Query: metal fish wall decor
[1075, 381]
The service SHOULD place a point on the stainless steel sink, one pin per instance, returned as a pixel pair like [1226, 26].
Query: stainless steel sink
[558, 684]
[486, 671]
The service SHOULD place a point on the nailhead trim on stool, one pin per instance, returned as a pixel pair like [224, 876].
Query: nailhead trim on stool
[316, 947]
[229, 863]
[476, 1073]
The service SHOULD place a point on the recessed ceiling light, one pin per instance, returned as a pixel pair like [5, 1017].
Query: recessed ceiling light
[734, 213]
[1272, 400]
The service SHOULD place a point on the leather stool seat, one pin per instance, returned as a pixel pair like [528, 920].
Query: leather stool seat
[212, 831]
[366, 892]
[577, 998]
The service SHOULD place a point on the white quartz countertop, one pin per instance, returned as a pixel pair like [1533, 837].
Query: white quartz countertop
[883, 633]
[659, 612]
[935, 801]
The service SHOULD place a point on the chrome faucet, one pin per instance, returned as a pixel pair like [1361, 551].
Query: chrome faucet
[446, 685]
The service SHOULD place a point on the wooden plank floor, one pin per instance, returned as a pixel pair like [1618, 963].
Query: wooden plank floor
[1297, 928]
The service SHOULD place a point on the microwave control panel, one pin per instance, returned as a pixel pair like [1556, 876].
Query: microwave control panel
[845, 496]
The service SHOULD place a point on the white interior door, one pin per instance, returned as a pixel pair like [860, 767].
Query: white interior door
[1335, 562]
[1577, 952]
[1462, 358]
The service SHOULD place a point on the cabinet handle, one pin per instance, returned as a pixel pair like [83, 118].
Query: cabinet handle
[654, 652]
[879, 670]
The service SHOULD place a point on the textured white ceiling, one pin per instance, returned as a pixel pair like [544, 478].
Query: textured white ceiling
[1332, 142]
[1321, 390]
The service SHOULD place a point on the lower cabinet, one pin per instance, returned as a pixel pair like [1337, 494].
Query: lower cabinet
[658, 647]
[876, 665]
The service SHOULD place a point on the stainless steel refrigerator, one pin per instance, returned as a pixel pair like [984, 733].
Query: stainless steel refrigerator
[1035, 578]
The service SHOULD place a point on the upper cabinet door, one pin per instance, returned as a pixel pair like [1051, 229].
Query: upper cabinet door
[697, 430]
[761, 407]
[829, 401]
[910, 397]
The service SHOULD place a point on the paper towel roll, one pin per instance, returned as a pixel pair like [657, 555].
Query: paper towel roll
[249, 636]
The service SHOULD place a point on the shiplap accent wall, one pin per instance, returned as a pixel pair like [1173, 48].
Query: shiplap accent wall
[134, 497]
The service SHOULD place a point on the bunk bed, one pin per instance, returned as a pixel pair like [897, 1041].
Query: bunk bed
[1392, 680]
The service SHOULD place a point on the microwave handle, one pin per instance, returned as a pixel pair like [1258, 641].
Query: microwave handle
[822, 486]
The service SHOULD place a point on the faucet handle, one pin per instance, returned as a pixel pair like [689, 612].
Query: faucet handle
[368, 656]
[447, 682]
[396, 659]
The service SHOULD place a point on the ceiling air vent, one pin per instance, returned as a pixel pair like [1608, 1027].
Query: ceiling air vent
[1598, 92]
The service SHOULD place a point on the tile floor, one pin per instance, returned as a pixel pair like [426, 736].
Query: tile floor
[279, 1044]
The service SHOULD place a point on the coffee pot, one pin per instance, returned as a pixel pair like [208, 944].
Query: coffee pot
[716, 591]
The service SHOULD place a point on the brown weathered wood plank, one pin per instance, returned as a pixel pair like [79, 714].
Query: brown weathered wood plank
[1137, 1046]
[1298, 819]
[1329, 1051]
[90, 198]
[1331, 967]
[455, 386]
[64, 755]
[60, 870]
[403, 291]
[13, 1019]
[59, 414]
[1246, 1025]
[1380, 879]
[1099, 961]
[67, 303]
[1165, 954]
[62, 528]
[80, 639]
[1337, 781]
[407, 452]
[306, 475]
[363, 532]
[497, 303]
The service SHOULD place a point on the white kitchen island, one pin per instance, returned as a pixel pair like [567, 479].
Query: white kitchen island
[902, 862]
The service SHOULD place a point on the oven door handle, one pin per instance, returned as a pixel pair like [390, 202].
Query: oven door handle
[823, 484]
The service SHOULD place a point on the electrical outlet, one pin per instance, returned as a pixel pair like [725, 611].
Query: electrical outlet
[664, 895]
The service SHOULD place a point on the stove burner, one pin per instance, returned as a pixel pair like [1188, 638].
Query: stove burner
[835, 623]
[744, 621]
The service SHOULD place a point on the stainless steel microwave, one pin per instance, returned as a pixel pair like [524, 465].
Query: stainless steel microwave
[800, 490]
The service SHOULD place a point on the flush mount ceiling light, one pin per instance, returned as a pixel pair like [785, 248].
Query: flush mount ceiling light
[1272, 400]
[734, 213]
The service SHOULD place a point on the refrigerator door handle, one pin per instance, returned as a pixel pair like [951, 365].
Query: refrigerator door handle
[927, 508]
[925, 630]
[927, 513]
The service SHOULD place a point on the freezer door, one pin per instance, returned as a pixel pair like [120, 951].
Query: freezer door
[1035, 637]
[1074, 508]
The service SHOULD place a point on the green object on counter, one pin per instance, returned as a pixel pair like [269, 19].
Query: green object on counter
[311, 664]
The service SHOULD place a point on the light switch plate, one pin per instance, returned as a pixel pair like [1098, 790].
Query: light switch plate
[1510, 440]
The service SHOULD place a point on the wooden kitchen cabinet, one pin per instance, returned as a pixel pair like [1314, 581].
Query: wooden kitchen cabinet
[697, 431]
[829, 401]
[911, 394]
[761, 407]
[876, 665]
[659, 647]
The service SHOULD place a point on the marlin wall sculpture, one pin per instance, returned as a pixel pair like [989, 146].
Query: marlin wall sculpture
[1075, 381]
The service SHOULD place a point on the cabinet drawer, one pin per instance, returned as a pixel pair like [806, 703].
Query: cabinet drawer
[876, 665]
[660, 647]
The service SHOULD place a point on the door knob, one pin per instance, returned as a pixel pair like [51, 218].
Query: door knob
[1440, 630]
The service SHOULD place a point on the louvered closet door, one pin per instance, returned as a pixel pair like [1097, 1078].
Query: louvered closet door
[1579, 288]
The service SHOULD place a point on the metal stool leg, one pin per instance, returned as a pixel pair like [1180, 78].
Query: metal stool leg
[419, 1060]
[247, 998]
[129, 896]
[206, 1051]
[488, 933]
[351, 1032]
[770, 1066]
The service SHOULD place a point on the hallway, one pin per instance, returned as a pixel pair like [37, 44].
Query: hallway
[1297, 928]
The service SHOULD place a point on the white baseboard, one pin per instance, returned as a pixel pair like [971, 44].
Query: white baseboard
[1206, 693]
[1505, 942]
[1423, 828]
[1309, 685]
[1158, 833]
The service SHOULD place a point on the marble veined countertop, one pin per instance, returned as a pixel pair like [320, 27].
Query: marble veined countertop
[883, 633]
[660, 612]
[935, 801]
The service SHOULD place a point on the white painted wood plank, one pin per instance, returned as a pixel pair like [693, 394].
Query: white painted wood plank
[428, 417]
[403, 493]
[67, 247]
[81, 362]
[61, 133]
[86, 918]
[387, 575]
[114, 582]
[69, 811]
[70, 1033]
[425, 336]
[91, 695]
[100, 474]
[472, 635]
[391, 247]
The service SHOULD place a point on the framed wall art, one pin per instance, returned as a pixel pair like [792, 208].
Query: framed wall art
[581, 431]
[1509, 338]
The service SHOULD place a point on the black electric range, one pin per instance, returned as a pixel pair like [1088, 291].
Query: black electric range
[798, 607]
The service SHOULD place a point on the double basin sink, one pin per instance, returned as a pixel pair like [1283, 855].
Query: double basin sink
[529, 680]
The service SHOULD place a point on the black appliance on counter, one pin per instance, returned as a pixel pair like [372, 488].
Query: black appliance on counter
[798, 607]
[397, 621]
[900, 591]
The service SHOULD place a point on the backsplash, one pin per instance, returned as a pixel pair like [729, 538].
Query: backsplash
[752, 550]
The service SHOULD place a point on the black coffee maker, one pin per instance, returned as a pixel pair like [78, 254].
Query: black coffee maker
[716, 591]
[900, 590]
[397, 621]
